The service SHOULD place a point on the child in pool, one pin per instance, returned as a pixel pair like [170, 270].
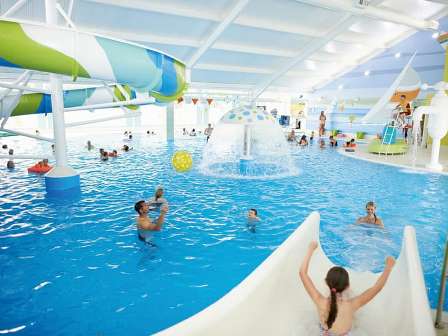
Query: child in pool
[371, 217]
[252, 219]
[157, 200]
[335, 312]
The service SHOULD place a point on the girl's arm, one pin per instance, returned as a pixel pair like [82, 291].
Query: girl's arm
[307, 282]
[369, 294]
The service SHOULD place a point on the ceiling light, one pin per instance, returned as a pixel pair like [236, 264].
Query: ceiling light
[397, 55]
[340, 87]
[367, 72]
[435, 35]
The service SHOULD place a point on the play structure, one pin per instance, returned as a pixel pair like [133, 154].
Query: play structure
[120, 70]
[401, 119]
[392, 110]
[273, 301]
[247, 143]
[437, 112]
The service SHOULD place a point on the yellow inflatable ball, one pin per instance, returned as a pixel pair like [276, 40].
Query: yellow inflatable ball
[182, 161]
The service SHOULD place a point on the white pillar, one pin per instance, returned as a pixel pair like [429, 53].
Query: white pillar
[198, 114]
[435, 151]
[206, 117]
[51, 13]
[57, 102]
[170, 122]
[247, 139]
[61, 178]
[57, 105]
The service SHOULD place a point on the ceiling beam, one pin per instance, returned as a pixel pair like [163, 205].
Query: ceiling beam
[209, 15]
[373, 12]
[186, 42]
[309, 49]
[261, 71]
[148, 38]
[14, 8]
[374, 53]
[214, 35]
[232, 68]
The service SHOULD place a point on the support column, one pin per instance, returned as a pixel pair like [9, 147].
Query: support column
[61, 178]
[435, 151]
[206, 116]
[198, 115]
[170, 122]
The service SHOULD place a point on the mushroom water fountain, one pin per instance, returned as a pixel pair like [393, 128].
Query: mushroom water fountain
[247, 143]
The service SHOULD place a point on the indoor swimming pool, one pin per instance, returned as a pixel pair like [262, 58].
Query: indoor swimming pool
[75, 266]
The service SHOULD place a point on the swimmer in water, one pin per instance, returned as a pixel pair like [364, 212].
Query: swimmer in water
[144, 224]
[252, 219]
[371, 217]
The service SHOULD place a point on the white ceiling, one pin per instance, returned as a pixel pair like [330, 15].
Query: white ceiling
[252, 45]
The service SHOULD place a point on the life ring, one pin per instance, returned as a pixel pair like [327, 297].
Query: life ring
[39, 170]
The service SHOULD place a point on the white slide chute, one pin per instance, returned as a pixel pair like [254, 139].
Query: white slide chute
[408, 81]
[273, 301]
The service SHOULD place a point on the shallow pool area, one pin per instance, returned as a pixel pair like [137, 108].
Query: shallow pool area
[75, 266]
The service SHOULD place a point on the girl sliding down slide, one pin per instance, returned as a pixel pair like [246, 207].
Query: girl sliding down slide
[336, 312]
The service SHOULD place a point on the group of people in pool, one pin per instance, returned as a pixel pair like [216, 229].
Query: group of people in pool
[10, 164]
[207, 132]
[105, 155]
[40, 166]
[336, 311]
[332, 141]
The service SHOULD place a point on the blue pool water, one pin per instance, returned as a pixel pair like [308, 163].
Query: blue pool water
[75, 267]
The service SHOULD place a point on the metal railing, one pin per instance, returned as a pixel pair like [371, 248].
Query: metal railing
[438, 323]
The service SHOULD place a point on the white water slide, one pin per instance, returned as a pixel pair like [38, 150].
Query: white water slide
[273, 301]
[407, 81]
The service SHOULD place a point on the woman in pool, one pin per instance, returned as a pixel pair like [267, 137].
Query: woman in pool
[371, 217]
[336, 312]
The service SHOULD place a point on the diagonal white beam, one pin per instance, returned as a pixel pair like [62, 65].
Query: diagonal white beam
[65, 16]
[26, 75]
[14, 8]
[145, 38]
[188, 42]
[373, 53]
[209, 15]
[345, 23]
[24, 88]
[231, 16]
[308, 50]
[70, 8]
[373, 13]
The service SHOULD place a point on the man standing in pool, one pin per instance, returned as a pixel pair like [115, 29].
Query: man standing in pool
[144, 224]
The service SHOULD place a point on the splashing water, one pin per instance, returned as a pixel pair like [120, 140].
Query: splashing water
[247, 143]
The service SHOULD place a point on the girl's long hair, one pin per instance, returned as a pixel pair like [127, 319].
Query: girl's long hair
[338, 280]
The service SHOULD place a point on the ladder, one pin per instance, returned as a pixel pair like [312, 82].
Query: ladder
[389, 134]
